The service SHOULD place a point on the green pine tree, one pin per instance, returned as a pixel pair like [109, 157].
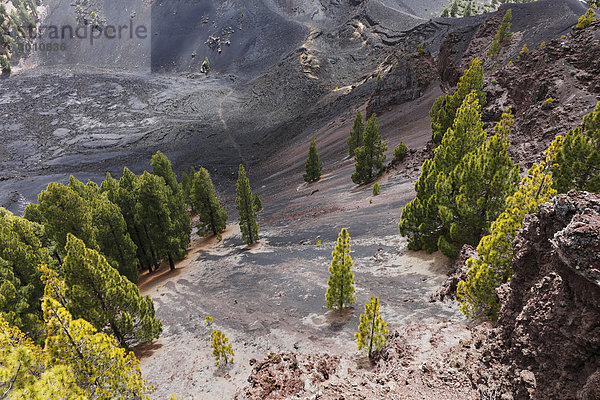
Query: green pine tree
[340, 286]
[356, 134]
[92, 363]
[473, 195]
[64, 211]
[257, 203]
[370, 156]
[578, 158]
[372, 331]
[179, 236]
[153, 215]
[443, 111]
[462, 190]
[246, 208]
[100, 295]
[454, 9]
[503, 35]
[212, 216]
[222, 350]
[112, 237]
[122, 193]
[21, 253]
[313, 165]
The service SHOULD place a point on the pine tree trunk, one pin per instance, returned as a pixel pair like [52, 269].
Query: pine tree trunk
[171, 263]
[372, 331]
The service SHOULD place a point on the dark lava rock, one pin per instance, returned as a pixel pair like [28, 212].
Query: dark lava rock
[457, 273]
[408, 80]
[547, 342]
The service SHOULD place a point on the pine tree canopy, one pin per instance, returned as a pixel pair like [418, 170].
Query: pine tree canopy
[21, 253]
[443, 111]
[212, 216]
[222, 350]
[340, 286]
[578, 158]
[313, 165]
[372, 331]
[77, 362]
[106, 299]
[153, 215]
[355, 139]
[462, 190]
[181, 228]
[370, 156]
[246, 208]
[571, 162]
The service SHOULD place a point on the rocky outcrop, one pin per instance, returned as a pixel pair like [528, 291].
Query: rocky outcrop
[457, 273]
[408, 79]
[547, 343]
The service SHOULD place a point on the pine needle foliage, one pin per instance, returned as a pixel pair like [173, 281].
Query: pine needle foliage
[313, 165]
[245, 202]
[370, 156]
[222, 350]
[212, 216]
[106, 299]
[340, 286]
[443, 111]
[356, 134]
[503, 35]
[461, 191]
[372, 331]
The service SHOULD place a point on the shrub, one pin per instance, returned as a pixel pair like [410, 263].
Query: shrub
[376, 189]
[400, 152]
[5, 65]
[222, 350]
[524, 49]
[421, 50]
[586, 19]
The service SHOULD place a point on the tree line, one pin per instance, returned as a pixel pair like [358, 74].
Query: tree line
[70, 310]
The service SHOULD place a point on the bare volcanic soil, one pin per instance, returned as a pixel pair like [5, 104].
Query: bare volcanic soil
[269, 298]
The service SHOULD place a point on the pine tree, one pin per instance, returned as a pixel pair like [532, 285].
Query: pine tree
[211, 215]
[153, 215]
[356, 134]
[454, 9]
[313, 165]
[106, 299]
[340, 286]
[370, 156]
[246, 208]
[77, 362]
[113, 238]
[64, 211]
[571, 163]
[421, 221]
[443, 111]
[578, 157]
[181, 223]
[503, 34]
[257, 203]
[472, 196]
[100, 368]
[372, 331]
[222, 350]
[21, 252]
[186, 187]
[493, 265]
[376, 189]
[122, 193]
